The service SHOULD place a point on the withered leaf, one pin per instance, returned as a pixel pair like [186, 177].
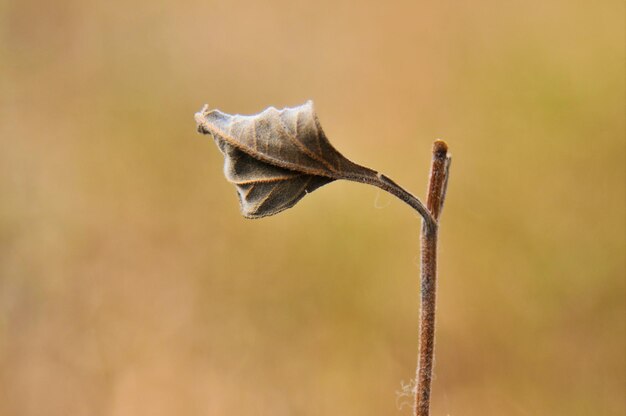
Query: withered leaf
[276, 157]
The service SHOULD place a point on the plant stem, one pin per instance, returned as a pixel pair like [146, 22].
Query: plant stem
[434, 203]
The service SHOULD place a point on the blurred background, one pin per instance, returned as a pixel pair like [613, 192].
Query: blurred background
[131, 285]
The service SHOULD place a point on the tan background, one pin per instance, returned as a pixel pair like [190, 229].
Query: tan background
[130, 285]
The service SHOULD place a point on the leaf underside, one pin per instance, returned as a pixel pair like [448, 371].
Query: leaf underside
[276, 157]
[264, 189]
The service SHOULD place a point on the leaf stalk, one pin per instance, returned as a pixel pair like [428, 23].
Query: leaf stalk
[386, 184]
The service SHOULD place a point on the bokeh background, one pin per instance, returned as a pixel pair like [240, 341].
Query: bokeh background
[131, 285]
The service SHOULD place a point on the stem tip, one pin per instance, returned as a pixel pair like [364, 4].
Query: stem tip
[440, 148]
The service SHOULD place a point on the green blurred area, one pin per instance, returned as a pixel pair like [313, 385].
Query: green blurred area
[130, 284]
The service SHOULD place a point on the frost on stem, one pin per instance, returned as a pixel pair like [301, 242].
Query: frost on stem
[405, 395]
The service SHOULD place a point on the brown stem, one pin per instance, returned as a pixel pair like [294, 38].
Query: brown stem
[434, 203]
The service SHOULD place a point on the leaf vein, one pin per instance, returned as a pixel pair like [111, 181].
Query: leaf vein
[261, 202]
[266, 180]
[227, 136]
[305, 149]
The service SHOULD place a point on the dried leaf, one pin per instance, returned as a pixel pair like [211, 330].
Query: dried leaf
[276, 157]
